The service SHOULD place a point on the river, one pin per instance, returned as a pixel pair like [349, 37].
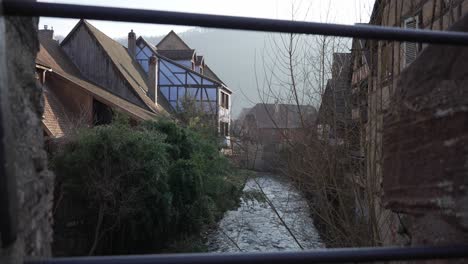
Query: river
[255, 227]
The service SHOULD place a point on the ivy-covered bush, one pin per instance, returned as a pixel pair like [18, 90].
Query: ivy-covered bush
[142, 188]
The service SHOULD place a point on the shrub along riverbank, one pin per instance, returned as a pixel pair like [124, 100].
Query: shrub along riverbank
[141, 189]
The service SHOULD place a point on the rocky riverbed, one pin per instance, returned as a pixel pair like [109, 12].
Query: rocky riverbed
[255, 226]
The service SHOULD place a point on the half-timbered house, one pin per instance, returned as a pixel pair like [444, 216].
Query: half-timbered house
[181, 75]
[140, 78]
[72, 100]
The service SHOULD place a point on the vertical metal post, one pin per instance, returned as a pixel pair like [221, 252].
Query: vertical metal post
[8, 206]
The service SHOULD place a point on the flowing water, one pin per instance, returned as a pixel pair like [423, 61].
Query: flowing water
[255, 226]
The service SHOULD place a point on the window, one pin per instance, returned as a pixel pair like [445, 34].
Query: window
[224, 129]
[222, 99]
[225, 100]
[410, 48]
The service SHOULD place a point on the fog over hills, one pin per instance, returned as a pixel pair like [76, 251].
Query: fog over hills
[231, 55]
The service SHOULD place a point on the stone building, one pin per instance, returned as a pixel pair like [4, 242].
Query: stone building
[358, 103]
[334, 115]
[266, 129]
[377, 69]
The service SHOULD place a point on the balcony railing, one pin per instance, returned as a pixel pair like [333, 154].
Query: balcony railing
[27, 8]
[356, 255]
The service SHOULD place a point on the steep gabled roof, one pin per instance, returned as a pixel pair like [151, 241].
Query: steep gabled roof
[172, 36]
[159, 55]
[178, 54]
[130, 71]
[210, 73]
[51, 55]
[378, 7]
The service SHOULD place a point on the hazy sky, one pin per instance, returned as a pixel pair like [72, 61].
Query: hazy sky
[337, 11]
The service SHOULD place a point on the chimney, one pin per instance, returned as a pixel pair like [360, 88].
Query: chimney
[153, 79]
[46, 33]
[132, 43]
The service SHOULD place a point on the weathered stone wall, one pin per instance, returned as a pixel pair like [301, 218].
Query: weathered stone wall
[425, 145]
[387, 63]
[22, 141]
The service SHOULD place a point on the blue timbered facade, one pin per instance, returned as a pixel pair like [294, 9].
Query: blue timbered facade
[179, 78]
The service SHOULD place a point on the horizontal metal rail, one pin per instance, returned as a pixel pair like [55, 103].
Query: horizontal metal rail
[27, 8]
[359, 255]
[22, 8]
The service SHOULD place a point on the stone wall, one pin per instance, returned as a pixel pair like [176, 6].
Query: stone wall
[425, 145]
[24, 161]
[387, 63]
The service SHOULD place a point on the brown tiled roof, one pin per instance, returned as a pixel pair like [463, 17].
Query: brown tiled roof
[177, 54]
[128, 67]
[52, 56]
[54, 118]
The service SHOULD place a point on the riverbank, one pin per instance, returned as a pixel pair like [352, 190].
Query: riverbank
[198, 243]
[123, 189]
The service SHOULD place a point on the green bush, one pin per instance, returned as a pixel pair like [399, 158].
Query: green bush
[144, 187]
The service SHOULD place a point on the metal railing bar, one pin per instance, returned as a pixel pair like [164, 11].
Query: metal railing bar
[355, 255]
[27, 8]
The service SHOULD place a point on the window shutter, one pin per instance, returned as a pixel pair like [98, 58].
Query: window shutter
[411, 49]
